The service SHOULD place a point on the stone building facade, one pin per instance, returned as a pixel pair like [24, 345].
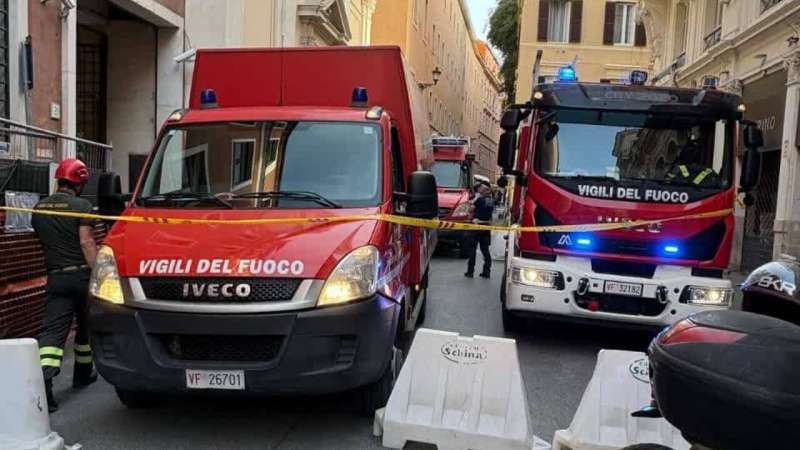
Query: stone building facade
[749, 47]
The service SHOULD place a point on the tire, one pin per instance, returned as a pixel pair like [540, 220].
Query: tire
[511, 322]
[136, 399]
[646, 447]
[376, 395]
[422, 309]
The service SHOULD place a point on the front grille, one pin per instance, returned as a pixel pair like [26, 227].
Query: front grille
[620, 304]
[260, 289]
[701, 247]
[187, 347]
[444, 212]
[626, 268]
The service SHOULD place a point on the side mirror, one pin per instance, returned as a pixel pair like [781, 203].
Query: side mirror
[422, 199]
[110, 200]
[511, 119]
[753, 138]
[506, 149]
[751, 169]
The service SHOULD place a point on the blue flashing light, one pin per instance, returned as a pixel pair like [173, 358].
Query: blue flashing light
[567, 74]
[671, 250]
[360, 97]
[583, 242]
[208, 98]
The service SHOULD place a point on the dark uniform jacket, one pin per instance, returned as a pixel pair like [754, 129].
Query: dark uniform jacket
[59, 235]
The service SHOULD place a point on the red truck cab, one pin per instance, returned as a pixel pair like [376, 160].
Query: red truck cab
[292, 307]
[592, 153]
[453, 171]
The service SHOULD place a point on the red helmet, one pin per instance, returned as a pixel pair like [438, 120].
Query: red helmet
[72, 170]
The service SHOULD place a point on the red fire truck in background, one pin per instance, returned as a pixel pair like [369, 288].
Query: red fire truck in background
[291, 308]
[599, 153]
[453, 171]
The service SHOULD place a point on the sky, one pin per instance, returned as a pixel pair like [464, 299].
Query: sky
[479, 11]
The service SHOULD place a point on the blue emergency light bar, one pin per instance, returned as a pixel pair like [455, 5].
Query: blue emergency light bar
[208, 99]
[583, 242]
[360, 97]
[567, 74]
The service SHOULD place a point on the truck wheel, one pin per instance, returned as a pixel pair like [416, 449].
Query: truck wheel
[136, 399]
[511, 323]
[421, 317]
[646, 447]
[375, 395]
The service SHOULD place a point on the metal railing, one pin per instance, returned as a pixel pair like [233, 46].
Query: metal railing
[20, 141]
[713, 38]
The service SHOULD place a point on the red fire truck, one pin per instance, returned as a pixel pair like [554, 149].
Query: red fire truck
[287, 308]
[598, 153]
[453, 171]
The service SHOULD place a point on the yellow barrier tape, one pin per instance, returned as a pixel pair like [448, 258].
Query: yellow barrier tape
[400, 220]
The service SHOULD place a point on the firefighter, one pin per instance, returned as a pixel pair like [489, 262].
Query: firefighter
[483, 207]
[687, 170]
[69, 251]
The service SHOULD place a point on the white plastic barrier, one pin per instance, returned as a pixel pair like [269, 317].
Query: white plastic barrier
[24, 420]
[459, 393]
[619, 386]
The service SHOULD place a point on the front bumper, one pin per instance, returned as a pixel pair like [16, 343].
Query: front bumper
[568, 304]
[312, 351]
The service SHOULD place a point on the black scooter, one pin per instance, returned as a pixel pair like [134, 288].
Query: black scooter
[730, 380]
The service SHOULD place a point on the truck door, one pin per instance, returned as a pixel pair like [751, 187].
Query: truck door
[406, 238]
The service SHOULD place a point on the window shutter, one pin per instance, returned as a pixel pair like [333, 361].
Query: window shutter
[575, 20]
[608, 25]
[544, 16]
[640, 40]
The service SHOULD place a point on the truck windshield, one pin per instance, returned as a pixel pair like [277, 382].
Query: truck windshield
[450, 174]
[692, 153]
[265, 165]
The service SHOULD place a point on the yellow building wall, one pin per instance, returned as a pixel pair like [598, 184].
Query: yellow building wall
[595, 61]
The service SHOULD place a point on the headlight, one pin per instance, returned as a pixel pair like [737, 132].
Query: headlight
[355, 277]
[535, 277]
[697, 295]
[462, 210]
[104, 283]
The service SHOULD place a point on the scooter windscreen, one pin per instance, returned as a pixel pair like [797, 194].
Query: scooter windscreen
[729, 380]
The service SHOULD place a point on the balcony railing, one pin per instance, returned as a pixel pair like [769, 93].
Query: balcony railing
[20, 141]
[713, 38]
[767, 4]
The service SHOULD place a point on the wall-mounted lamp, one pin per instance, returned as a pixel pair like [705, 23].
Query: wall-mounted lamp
[435, 75]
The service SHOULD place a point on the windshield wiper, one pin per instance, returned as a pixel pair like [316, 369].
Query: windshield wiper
[293, 195]
[587, 177]
[177, 196]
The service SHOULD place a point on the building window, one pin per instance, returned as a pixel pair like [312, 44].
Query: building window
[624, 23]
[242, 163]
[558, 21]
[4, 61]
[767, 4]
